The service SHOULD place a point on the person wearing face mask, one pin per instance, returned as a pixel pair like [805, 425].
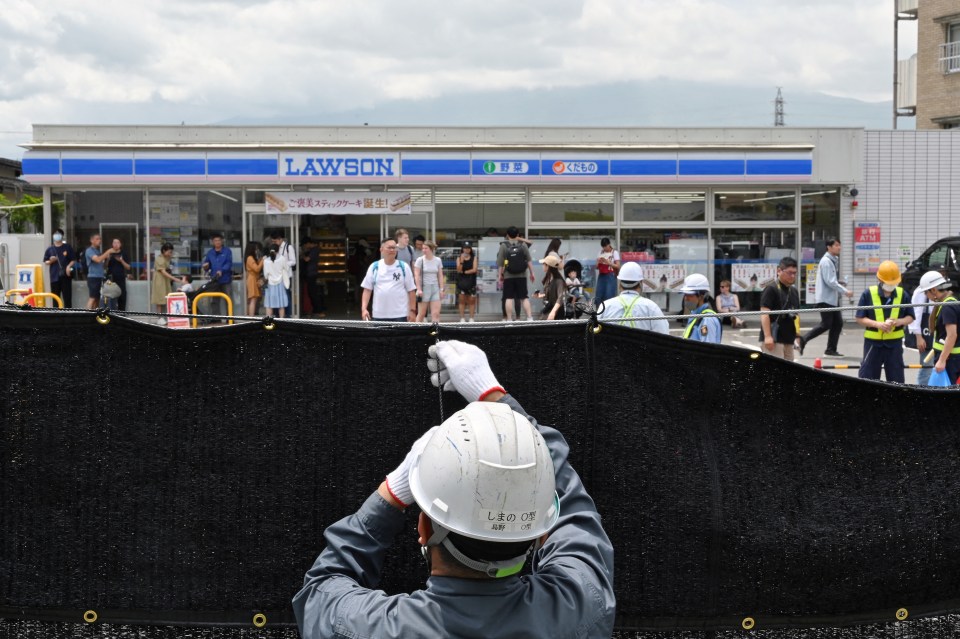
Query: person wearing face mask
[884, 324]
[62, 260]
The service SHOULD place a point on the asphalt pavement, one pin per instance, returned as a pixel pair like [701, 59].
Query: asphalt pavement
[850, 345]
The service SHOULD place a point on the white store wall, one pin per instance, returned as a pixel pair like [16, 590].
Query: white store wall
[911, 186]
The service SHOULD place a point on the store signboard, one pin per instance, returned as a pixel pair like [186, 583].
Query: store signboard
[904, 255]
[173, 165]
[505, 166]
[663, 278]
[752, 277]
[811, 287]
[381, 167]
[338, 203]
[866, 247]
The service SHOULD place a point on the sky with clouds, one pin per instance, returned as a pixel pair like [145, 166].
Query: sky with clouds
[206, 61]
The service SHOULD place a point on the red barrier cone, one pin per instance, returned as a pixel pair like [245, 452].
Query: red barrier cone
[817, 363]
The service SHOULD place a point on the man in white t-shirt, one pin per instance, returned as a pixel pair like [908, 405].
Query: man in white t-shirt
[391, 284]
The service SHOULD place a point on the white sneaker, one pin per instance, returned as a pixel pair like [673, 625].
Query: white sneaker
[470, 320]
[463, 320]
[529, 318]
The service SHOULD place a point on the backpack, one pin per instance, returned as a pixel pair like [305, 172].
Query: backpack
[515, 261]
[376, 265]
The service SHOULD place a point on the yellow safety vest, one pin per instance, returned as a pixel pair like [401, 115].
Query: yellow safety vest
[692, 323]
[627, 308]
[897, 332]
[937, 340]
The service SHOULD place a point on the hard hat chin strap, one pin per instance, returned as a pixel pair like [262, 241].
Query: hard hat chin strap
[501, 568]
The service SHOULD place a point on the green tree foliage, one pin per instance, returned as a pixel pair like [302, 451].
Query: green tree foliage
[30, 218]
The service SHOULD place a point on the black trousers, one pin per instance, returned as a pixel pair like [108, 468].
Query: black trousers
[831, 321]
[217, 305]
[63, 288]
[315, 291]
[122, 300]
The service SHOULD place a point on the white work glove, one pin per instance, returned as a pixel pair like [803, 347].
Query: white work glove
[398, 481]
[458, 366]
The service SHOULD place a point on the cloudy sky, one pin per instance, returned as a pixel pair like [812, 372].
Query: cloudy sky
[205, 61]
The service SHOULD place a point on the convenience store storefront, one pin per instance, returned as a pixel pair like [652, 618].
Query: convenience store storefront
[728, 203]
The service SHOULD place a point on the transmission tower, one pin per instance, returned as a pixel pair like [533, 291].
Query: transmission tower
[778, 109]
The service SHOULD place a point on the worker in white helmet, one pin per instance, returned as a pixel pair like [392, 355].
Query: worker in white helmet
[703, 325]
[494, 489]
[943, 324]
[631, 304]
[884, 325]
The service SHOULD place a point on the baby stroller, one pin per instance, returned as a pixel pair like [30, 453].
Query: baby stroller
[192, 295]
[575, 291]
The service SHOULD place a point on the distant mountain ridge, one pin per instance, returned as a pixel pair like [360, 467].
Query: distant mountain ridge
[654, 103]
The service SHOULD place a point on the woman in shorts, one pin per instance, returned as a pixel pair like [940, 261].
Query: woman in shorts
[428, 275]
[467, 281]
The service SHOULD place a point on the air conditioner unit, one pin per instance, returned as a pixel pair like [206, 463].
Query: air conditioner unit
[907, 83]
[908, 6]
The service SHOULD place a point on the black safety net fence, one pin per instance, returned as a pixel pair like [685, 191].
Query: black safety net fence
[163, 483]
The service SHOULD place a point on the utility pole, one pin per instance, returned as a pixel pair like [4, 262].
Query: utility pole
[778, 109]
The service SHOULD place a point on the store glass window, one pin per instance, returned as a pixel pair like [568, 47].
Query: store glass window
[819, 213]
[572, 206]
[664, 206]
[749, 258]
[187, 219]
[479, 212]
[582, 245]
[666, 256]
[112, 214]
[754, 205]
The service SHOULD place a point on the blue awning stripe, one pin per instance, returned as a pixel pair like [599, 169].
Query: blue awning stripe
[435, 167]
[252, 166]
[91, 166]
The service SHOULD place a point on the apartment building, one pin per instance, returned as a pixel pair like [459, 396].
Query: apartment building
[938, 64]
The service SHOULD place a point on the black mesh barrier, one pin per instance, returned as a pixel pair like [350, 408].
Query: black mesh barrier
[176, 483]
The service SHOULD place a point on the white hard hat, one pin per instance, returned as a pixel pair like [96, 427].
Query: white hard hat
[695, 284]
[931, 279]
[487, 474]
[630, 272]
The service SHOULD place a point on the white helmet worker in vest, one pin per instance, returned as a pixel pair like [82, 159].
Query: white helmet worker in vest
[630, 303]
[884, 325]
[943, 323]
[494, 489]
[703, 325]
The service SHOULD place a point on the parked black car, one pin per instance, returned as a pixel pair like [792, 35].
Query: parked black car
[942, 255]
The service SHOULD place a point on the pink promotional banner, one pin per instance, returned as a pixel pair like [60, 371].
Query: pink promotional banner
[338, 203]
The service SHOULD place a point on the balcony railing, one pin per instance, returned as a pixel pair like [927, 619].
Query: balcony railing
[950, 57]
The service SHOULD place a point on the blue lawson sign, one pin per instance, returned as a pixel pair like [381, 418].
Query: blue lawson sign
[340, 165]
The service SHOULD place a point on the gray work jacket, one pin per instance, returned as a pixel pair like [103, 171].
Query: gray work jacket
[568, 594]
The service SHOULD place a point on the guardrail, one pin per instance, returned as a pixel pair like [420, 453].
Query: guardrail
[197, 299]
[54, 296]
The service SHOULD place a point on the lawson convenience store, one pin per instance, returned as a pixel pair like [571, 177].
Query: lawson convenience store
[728, 203]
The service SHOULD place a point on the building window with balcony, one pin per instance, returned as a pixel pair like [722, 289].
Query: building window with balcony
[950, 50]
